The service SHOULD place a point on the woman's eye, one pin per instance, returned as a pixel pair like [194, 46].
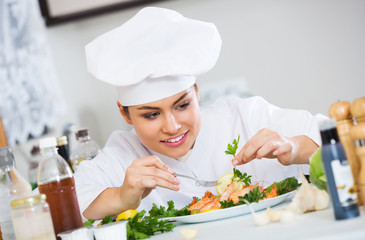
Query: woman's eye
[183, 106]
[151, 115]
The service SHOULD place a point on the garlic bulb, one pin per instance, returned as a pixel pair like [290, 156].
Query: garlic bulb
[308, 198]
[322, 200]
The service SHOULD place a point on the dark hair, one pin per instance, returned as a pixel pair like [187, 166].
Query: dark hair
[125, 108]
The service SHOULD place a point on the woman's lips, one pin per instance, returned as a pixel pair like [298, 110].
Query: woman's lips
[176, 141]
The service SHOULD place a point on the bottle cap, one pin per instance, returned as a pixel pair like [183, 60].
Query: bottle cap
[6, 157]
[28, 200]
[61, 141]
[47, 142]
[82, 133]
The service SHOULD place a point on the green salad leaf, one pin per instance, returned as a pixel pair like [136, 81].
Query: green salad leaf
[316, 173]
[285, 186]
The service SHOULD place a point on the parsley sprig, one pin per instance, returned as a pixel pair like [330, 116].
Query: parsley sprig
[169, 212]
[232, 148]
[143, 226]
[238, 176]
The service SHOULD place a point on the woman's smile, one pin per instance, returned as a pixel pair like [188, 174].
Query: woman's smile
[176, 141]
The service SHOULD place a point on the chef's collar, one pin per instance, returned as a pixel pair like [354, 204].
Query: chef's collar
[185, 157]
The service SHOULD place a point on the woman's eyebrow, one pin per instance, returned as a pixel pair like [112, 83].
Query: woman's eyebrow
[148, 108]
[178, 100]
[157, 108]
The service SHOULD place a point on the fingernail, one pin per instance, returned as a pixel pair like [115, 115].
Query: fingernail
[176, 180]
[234, 162]
[276, 152]
[177, 187]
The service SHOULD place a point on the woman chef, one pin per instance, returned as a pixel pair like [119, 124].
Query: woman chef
[153, 60]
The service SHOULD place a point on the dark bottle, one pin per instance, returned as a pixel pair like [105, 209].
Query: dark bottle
[340, 181]
[63, 149]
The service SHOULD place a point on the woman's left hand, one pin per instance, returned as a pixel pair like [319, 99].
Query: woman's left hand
[267, 144]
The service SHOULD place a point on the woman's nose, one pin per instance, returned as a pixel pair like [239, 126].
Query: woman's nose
[170, 124]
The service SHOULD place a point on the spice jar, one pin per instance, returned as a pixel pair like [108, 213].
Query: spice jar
[32, 219]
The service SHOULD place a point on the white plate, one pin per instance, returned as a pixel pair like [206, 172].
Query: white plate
[231, 211]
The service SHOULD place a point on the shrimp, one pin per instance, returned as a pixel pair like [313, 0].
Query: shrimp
[229, 190]
[211, 205]
[242, 192]
[208, 197]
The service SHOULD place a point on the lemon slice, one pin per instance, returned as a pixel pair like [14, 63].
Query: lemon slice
[209, 210]
[223, 182]
[127, 214]
[238, 185]
[189, 233]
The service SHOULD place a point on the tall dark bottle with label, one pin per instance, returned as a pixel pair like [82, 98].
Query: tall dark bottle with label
[340, 181]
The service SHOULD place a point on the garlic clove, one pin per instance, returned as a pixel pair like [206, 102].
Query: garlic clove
[189, 233]
[274, 215]
[287, 216]
[261, 219]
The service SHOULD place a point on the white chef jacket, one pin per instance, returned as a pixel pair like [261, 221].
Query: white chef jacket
[222, 122]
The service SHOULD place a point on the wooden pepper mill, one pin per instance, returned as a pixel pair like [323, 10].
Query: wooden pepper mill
[357, 134]
[342, 113]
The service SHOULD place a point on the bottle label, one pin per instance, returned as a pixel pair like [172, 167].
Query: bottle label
[344, 182]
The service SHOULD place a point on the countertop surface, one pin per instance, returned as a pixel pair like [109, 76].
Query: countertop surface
[314, 225]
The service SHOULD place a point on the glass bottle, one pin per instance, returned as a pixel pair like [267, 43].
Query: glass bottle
[87, 148]
[32, 219]
[56, 181]
[12, 186]
[340, 181]
[63, 149]
[33, 166]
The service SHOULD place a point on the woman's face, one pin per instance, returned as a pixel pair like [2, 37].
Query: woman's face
[168, 126]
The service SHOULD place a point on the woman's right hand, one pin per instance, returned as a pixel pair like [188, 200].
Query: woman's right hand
[144, 175]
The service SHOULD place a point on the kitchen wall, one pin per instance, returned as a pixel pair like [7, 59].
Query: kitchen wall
[303, 54]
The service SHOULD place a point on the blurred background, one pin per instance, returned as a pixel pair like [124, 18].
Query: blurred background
[303, 54]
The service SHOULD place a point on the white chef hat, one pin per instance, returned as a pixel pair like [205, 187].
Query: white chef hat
[154, 55]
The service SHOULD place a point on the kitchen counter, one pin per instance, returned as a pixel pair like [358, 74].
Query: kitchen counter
[315, 225]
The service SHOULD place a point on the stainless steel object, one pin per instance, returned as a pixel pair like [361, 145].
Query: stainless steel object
[198, 182]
